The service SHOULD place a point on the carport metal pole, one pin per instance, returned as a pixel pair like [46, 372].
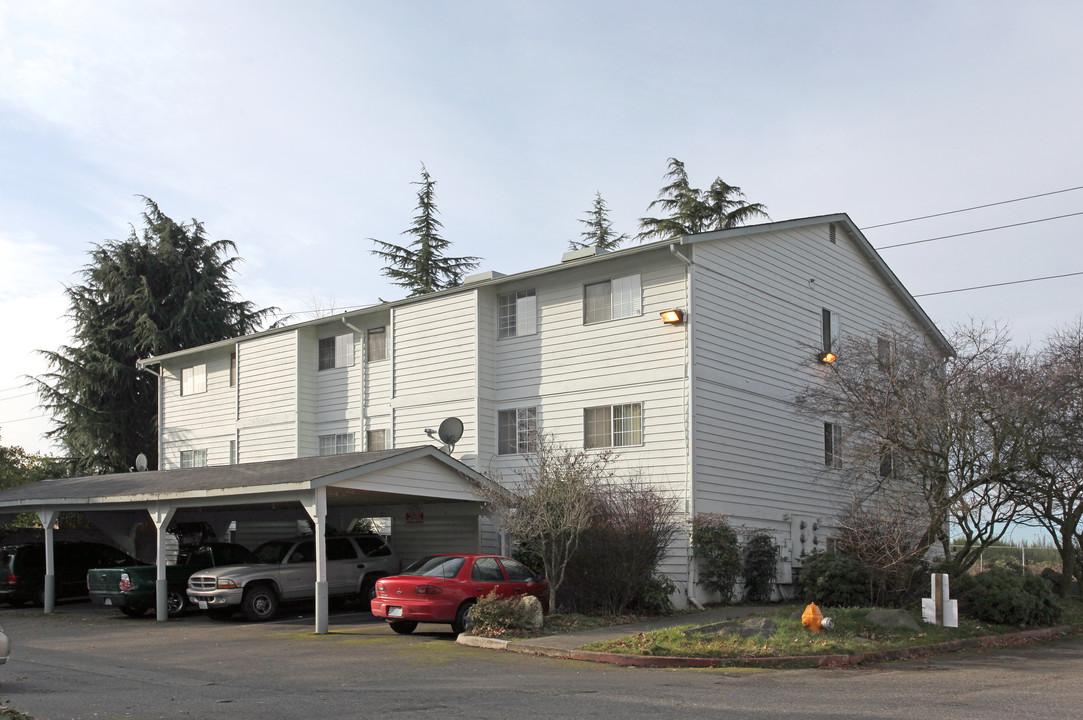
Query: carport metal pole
[317, 510]
[48, 517]
[161, 514]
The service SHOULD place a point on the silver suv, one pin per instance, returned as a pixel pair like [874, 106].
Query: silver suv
[287, 573]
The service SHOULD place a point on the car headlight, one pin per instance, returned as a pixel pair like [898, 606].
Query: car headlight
[227, 584]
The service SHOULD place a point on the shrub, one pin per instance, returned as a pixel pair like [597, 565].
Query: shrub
[760, 565]
[654, 597]
[1004, 597]
[494, 615]
[833, 579]
[714, 543]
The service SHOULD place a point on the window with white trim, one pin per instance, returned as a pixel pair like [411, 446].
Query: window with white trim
[830, 328]
[376, 440]
[832, 445]
[336, 352]
[517, 314]
[336, 444]
[612, 299]
[517, 431]
[193, 458]
[376, 344]
[613, 426]
[193, 380]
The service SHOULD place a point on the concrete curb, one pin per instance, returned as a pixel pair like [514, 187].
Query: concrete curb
[650, 661]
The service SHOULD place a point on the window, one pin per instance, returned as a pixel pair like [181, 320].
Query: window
[336, 352]
[193, 458]
[376, 440]
[517, 314]
[517, 431]
[883, 353]
[376, 345]
[232, 452]
[336, 444]
[613, 426]
[830, 325]
[832, 445]
[486, 569]
[194, 380]
[617, 298]
[887, 462]
[233, 369]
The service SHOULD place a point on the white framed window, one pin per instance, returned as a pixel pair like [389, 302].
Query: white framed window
[830, 328]
[193, 380]
[832, 445]
[613, 426]
[193, 458]
[517, 314]
[336, 444]
[336, 352]
[376, 344]
[612, 299]
[376, 440]
[517, 431]
[233, 369]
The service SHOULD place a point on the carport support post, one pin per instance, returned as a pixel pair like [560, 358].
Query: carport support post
[317, 510]
[161, 514]
[48, 517]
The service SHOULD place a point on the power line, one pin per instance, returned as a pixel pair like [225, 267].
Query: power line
[976, 207]
[975, 232]
[1001, 284]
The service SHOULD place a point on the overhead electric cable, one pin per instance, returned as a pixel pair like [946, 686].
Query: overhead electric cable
[1001, 284]
[975, 232]
[976, 207]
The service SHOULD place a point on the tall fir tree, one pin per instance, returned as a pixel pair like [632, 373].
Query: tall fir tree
[691, 210]
[163, 289]
[421, 266]
[599, 229]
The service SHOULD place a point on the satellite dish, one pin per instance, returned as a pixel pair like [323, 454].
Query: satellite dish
[140, 462]
[451, 430]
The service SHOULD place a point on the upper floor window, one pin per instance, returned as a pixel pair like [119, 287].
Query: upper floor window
[233, 369]
[376, 344]
[613, 426]
[336, 444]
[517, 431]
[336, 352]
[830, 327]
[376, 440]
[193, 380]
[193, 458]
[517, 314]
[617, 298]
[832, 445]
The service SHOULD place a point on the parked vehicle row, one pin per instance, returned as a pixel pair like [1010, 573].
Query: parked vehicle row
[22, 569]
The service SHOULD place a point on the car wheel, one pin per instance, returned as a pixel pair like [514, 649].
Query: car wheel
[176, 603]
[260, 603]
[367, 594]
[403, 627]
[464, 619]
[220, 613]
[133, 610]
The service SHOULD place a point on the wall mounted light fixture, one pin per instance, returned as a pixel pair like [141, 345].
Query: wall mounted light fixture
[672, 317]
[827, 358]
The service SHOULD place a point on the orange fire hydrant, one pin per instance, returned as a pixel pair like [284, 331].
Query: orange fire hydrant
[812, 617]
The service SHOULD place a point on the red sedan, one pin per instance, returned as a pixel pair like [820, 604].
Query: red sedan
[444, 588]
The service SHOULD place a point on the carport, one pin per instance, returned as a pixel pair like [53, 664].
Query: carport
[421, 479]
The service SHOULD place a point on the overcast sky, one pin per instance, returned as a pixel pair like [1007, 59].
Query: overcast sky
[296, 129]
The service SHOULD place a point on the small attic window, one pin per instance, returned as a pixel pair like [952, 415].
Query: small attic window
[831, 232]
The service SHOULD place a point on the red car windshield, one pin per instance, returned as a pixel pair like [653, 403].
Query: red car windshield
[441, 566]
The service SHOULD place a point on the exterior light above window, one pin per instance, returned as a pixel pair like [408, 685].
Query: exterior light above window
[828, 357]
[672, 317]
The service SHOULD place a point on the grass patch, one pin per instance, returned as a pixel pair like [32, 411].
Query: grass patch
[563, 623]
[851, 634]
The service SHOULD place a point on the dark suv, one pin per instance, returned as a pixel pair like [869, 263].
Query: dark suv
[22, 569]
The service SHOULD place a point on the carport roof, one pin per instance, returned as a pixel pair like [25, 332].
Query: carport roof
[278, 476]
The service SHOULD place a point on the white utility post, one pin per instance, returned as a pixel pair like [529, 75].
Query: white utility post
[48, 518]
[161, 514]
[317, 510]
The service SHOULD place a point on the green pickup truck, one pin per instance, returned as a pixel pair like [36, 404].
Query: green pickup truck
[131, 589]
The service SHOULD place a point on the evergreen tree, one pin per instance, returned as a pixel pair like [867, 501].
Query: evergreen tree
[692, 210]
[599, 230]
[165, 289]
[421, 266]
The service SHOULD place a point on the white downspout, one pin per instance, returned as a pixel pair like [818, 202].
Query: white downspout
[690, 420]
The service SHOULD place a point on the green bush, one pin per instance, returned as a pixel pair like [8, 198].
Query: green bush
[654, 596]
[493, 615]
[1004, 597]
[833, 579]
[714, 543]
[760, 565]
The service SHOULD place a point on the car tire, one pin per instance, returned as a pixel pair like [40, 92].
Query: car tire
[463, 618]
[176, 603]
[260, 603]
[403, 627]
[367, 594]
[133, 610]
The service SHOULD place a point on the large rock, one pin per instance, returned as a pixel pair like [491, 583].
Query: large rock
[535, 615]
[753, 626]
[893, 618]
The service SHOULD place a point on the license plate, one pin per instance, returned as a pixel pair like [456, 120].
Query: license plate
[202, 604]
[109, 601]
[394, 611]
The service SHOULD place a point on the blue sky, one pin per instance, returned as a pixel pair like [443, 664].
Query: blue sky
[295, 130]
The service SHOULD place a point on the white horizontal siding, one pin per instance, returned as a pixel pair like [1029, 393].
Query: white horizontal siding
[435, 348]
[201, 421]
[270, 394]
